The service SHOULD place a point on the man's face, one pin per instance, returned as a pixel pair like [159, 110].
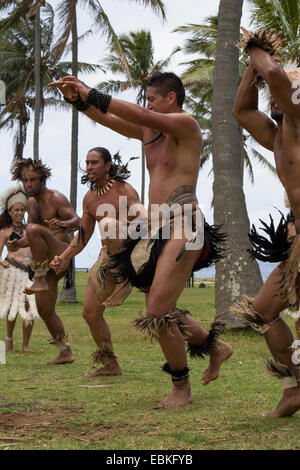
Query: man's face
[32, 182]
[156, 101]
[95, 167]
[276, 112]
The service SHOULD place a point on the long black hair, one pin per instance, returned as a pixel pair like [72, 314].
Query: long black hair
[117, 171]
[5, 220]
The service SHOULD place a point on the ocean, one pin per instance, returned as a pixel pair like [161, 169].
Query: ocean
[265, 269]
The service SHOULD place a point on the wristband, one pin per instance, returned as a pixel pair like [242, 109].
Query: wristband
[78, 104]
[99, 100]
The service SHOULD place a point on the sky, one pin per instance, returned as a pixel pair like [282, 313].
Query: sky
[262, 198]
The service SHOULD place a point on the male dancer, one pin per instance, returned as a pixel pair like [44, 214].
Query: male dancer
[50, 218]
[173, 145]
[107, 187]
[283, 137]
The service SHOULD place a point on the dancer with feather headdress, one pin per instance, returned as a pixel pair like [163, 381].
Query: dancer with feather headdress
[50, 218]
[15, 271]
[281, 134]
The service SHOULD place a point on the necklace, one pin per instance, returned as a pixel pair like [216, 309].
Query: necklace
[18, 228]
[157, 136]
[104, 189]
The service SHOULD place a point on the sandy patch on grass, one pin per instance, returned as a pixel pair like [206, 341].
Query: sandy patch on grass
[55, 420]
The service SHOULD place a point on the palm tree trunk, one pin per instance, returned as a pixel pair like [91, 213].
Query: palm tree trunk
[37, 72]
[235, 274]
[69, 294]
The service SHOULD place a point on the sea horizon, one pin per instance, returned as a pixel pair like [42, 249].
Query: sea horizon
[265, 269]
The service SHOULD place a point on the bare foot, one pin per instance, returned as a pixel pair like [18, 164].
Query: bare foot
[40, 285]
[180, 396]
[26, 349]
[218, 355]
[106, 370]
[288, 405]
[64, 357]
[118, 296]
[9, 345]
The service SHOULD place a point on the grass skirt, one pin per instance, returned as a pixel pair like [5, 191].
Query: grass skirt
[12, 299]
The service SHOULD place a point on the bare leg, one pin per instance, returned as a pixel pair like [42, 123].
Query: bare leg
[10, 326]
[220, 352]
[93, 314]
[45, 302]
[279, 339]
[44, 245]
[162, 300]
[173, 348]
[27, 330]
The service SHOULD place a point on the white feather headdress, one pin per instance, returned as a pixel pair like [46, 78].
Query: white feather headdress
[293, 73]
[13, 195]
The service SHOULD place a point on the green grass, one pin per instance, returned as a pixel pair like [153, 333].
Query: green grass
[57, 407]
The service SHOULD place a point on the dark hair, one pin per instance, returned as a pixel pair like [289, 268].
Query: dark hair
[28, 163]
[166, 82]
[117, 170]
[5, 220]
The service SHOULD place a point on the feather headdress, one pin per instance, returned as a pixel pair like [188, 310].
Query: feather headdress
[293, 74]
[11, 196]
[28, 163]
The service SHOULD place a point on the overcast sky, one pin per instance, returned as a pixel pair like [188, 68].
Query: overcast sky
[55, 135]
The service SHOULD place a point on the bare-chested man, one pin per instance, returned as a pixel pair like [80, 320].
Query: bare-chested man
[173, 145]
[50, 217]
[108, 191]
[283, 137]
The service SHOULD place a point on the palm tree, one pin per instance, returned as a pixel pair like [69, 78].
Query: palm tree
[139, 56]
[283, 15]
[235, 275]
[18, 73]
[67, 10]
[28, 9]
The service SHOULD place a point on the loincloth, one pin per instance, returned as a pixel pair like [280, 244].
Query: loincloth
[286, 250]
[98, 273]
[136, 263]
[13, 281]
[290, 269]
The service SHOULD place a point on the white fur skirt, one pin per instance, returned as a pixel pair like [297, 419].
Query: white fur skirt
[13, 301]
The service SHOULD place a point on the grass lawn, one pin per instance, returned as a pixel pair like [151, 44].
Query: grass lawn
[58, 407]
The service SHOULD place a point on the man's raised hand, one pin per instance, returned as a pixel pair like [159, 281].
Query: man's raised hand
[71, 87]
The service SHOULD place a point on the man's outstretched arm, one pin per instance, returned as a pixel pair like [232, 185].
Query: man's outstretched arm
[72, 89]
[246, 111]
[124, 116]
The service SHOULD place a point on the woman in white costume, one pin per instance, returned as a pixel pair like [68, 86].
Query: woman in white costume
[15, 271]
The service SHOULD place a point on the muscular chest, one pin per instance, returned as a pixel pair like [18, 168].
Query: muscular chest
[105, 206]
[287, 157]
[162, 155]
[41, 212]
